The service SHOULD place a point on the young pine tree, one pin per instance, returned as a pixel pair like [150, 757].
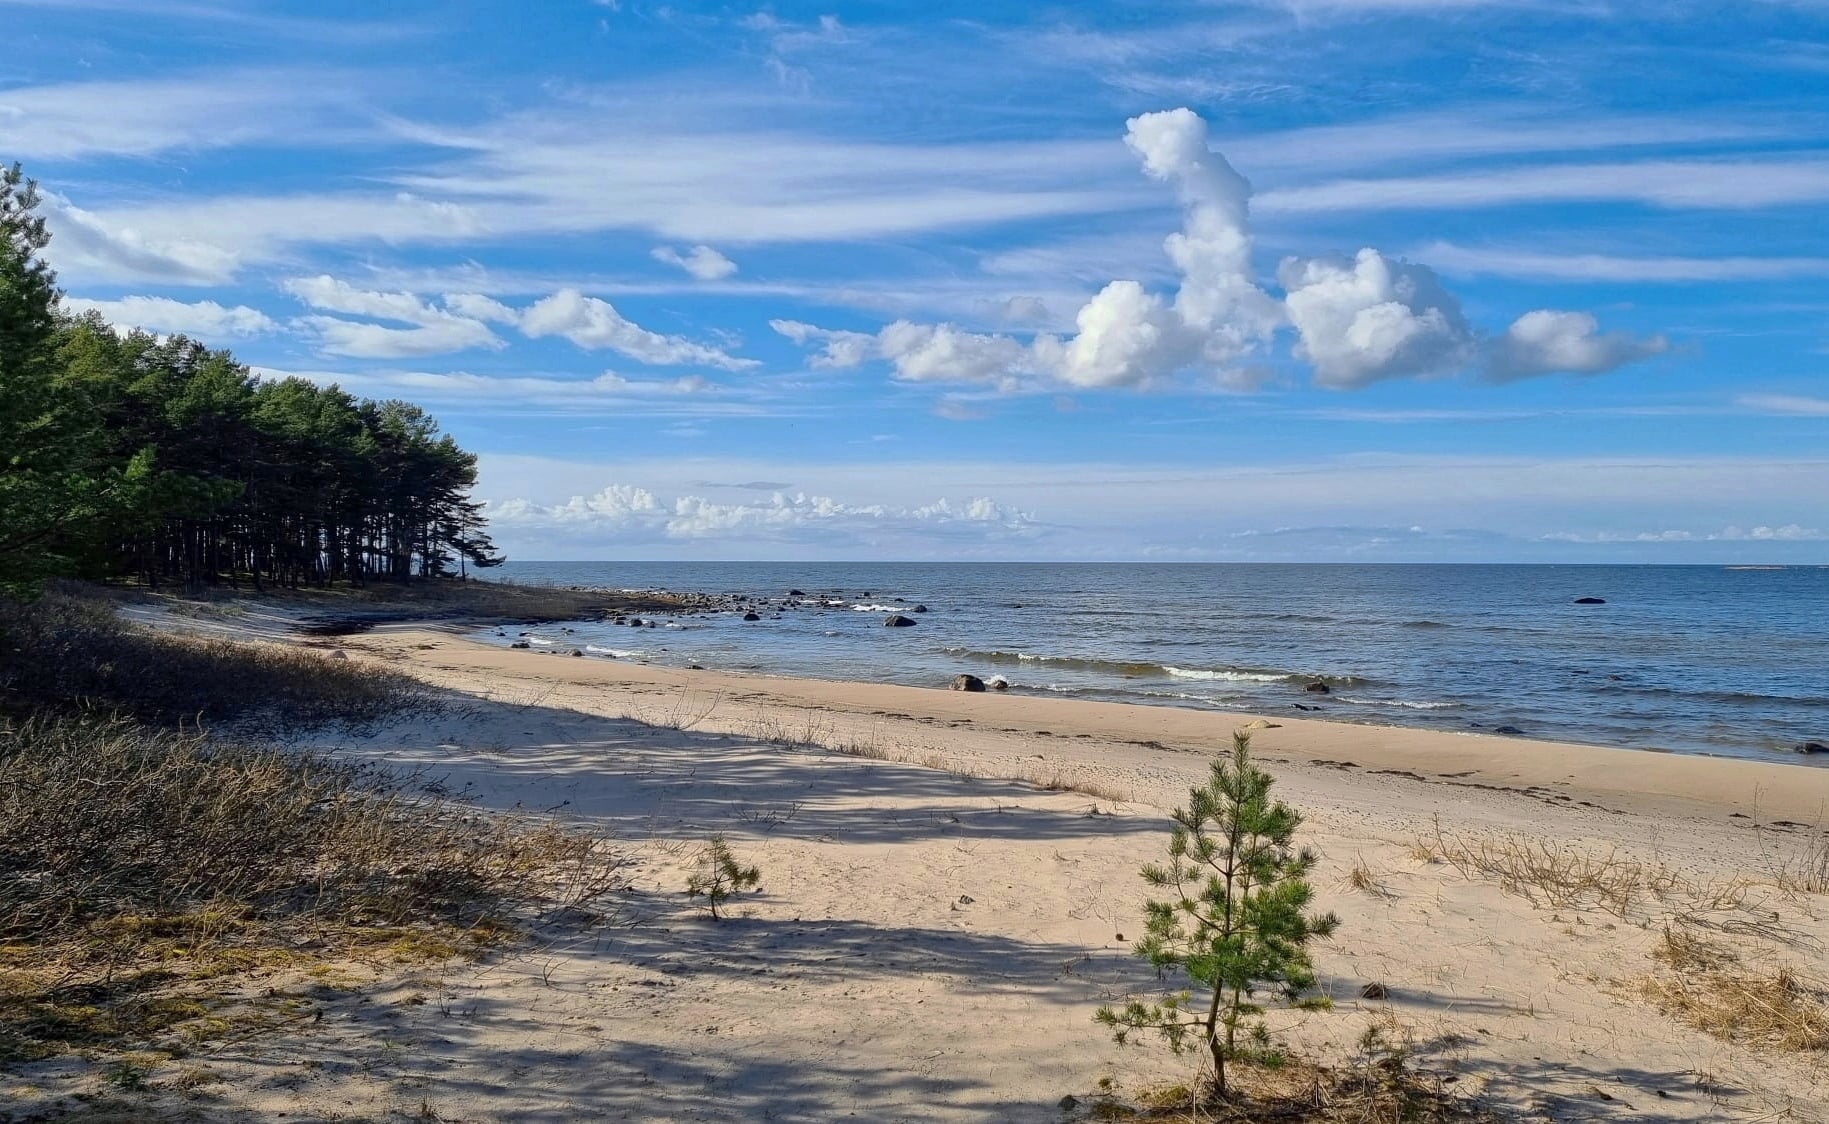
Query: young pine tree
[720, 876]
[1237, 923]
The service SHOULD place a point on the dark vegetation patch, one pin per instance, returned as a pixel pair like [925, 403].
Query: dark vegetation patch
[143, 865]
[70, 654]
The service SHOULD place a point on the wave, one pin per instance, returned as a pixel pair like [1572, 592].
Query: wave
[616, 653]
[1145, 669]
[1406, 704]
[1732, 698]
[878, 608]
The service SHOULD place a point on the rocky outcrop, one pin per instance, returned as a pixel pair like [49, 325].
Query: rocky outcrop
[1590, 601]
[897, 620]
[966, 683]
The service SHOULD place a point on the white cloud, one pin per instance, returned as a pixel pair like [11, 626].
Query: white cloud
[1357, 321]
[702, 262]
[1100, 508]
[1552, 342]
[592, 323]
[1373, 318]
[74, 120]
[334, 336]
[635, 514]
[1538, 265]
[479, 307]
[608, 394]
[435, 331]
[206, 321]
[1796, 405]
[88, 246]
[1673, 184]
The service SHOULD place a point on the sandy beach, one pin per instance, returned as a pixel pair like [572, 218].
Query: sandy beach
[949, 890]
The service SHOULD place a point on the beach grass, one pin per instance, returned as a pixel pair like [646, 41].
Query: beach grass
[144, 867]
[68, 652]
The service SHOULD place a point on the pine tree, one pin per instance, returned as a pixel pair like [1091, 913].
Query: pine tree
[720, 876]
[1237, 924]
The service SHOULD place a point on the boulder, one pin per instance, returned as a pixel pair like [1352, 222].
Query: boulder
[1508, 731]
[1810, 747]
[1590, 601]
[967, 683]
[918, 609]
[634, 622]
[337, 654]
[897, 620]
[998, 683]
[751, 617]
[796, 593]
[1318, 688]
[520, 644]
[578, 651]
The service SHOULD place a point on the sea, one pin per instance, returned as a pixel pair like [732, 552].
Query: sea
[1722, 660]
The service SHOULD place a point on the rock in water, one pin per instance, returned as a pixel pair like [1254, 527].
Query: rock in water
[918, 609]
[1508, 731]
[751, 617]
[897, 620]
[967, 683]
[998, 683]
[1318, 688]
[1810, 747]
[520, 644]
[1590, 601]
[796, 593]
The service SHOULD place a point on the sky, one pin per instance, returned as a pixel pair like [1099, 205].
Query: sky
[1284, 280]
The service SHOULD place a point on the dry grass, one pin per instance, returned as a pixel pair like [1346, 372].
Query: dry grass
[1547, 873]
[141, 866]
[1379, 1086]
[1805, 871]
[1709, 986]
[1057, 781]
[71, 654]
[1367, 880]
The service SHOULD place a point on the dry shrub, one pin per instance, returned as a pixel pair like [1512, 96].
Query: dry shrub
[1806, 871]
[139, 861]
[67, 653]
[1379, 1087]
[1549, 873]
[1711, 988]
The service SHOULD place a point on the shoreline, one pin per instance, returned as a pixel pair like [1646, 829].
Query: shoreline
[968, 859]
[1773, 791]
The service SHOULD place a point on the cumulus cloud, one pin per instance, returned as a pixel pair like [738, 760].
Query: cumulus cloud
[702, 262]
[1372, 318]
[203, 320]
[1551, 342]
[1357, 320]
[434, 331]
[636, 514]
[592, 323]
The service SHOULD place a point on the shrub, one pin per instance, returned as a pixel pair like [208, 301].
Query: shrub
[1237, 923]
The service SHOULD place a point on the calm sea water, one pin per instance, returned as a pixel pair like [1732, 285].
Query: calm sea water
[1701, 659]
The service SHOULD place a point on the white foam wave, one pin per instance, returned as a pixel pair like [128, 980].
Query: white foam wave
[1406, 704]
[618, 653]
[1226, 676]
[876, 608]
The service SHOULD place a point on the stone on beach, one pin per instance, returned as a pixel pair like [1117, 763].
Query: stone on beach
[967, 683]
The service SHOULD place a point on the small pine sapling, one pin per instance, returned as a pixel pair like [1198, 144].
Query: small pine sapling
[719, 876]
[1237, 925]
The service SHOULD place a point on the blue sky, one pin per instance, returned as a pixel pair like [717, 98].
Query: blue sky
[1338, 280]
